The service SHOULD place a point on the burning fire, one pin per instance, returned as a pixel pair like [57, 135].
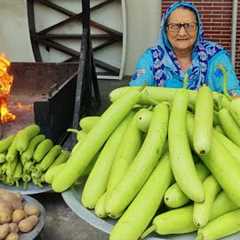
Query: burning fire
[6, 81]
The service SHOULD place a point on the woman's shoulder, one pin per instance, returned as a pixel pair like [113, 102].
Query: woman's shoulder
[151, 53]
[216, 53]
[153, 49]
[157, 48]
[212, 44]
[213, 49]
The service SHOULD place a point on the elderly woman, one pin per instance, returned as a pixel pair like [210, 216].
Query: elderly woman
[182, 57]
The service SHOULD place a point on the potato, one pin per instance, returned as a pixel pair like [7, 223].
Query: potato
[31, 209]
[4, 230]
[18, 215]
[5, 212]
[5, 216]
[12, 198]
[27, 224]
[10, 194]
[12, 236]
[13, 227]
[4, 204]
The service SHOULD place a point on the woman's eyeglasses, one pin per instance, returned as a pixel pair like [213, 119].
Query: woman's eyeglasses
[176, 27]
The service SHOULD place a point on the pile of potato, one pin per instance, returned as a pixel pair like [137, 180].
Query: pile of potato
[16, 215]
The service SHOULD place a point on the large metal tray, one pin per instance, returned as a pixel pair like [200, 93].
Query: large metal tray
[32, 189]
[38, 228]
[72, 198]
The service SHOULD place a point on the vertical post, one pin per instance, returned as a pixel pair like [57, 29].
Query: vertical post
[85, 104]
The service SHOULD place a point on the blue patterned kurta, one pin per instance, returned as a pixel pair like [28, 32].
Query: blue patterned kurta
[158, 66]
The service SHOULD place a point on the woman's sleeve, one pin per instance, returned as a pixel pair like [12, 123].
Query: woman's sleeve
[215, 76]
[143, 74]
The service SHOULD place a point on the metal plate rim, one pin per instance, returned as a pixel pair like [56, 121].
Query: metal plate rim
[42, 218]
[88, 216]
[31, 190]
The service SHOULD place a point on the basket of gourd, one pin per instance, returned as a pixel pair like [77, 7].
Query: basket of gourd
[25, 158]
[160, 163]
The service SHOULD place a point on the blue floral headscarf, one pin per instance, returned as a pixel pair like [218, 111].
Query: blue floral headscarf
[163, 54]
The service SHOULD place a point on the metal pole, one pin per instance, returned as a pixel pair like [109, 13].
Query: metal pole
[86, 79]
[82, 64]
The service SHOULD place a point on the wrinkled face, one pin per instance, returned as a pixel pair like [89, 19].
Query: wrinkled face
[182, 29]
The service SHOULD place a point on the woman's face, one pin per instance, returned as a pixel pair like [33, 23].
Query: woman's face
[182, 29]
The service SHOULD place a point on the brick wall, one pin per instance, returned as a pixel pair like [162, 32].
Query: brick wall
[216, 16]
[237, 65]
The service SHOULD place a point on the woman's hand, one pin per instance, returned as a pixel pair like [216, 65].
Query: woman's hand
[235, 97]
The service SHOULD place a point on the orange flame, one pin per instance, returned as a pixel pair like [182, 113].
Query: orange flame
[6, 81]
